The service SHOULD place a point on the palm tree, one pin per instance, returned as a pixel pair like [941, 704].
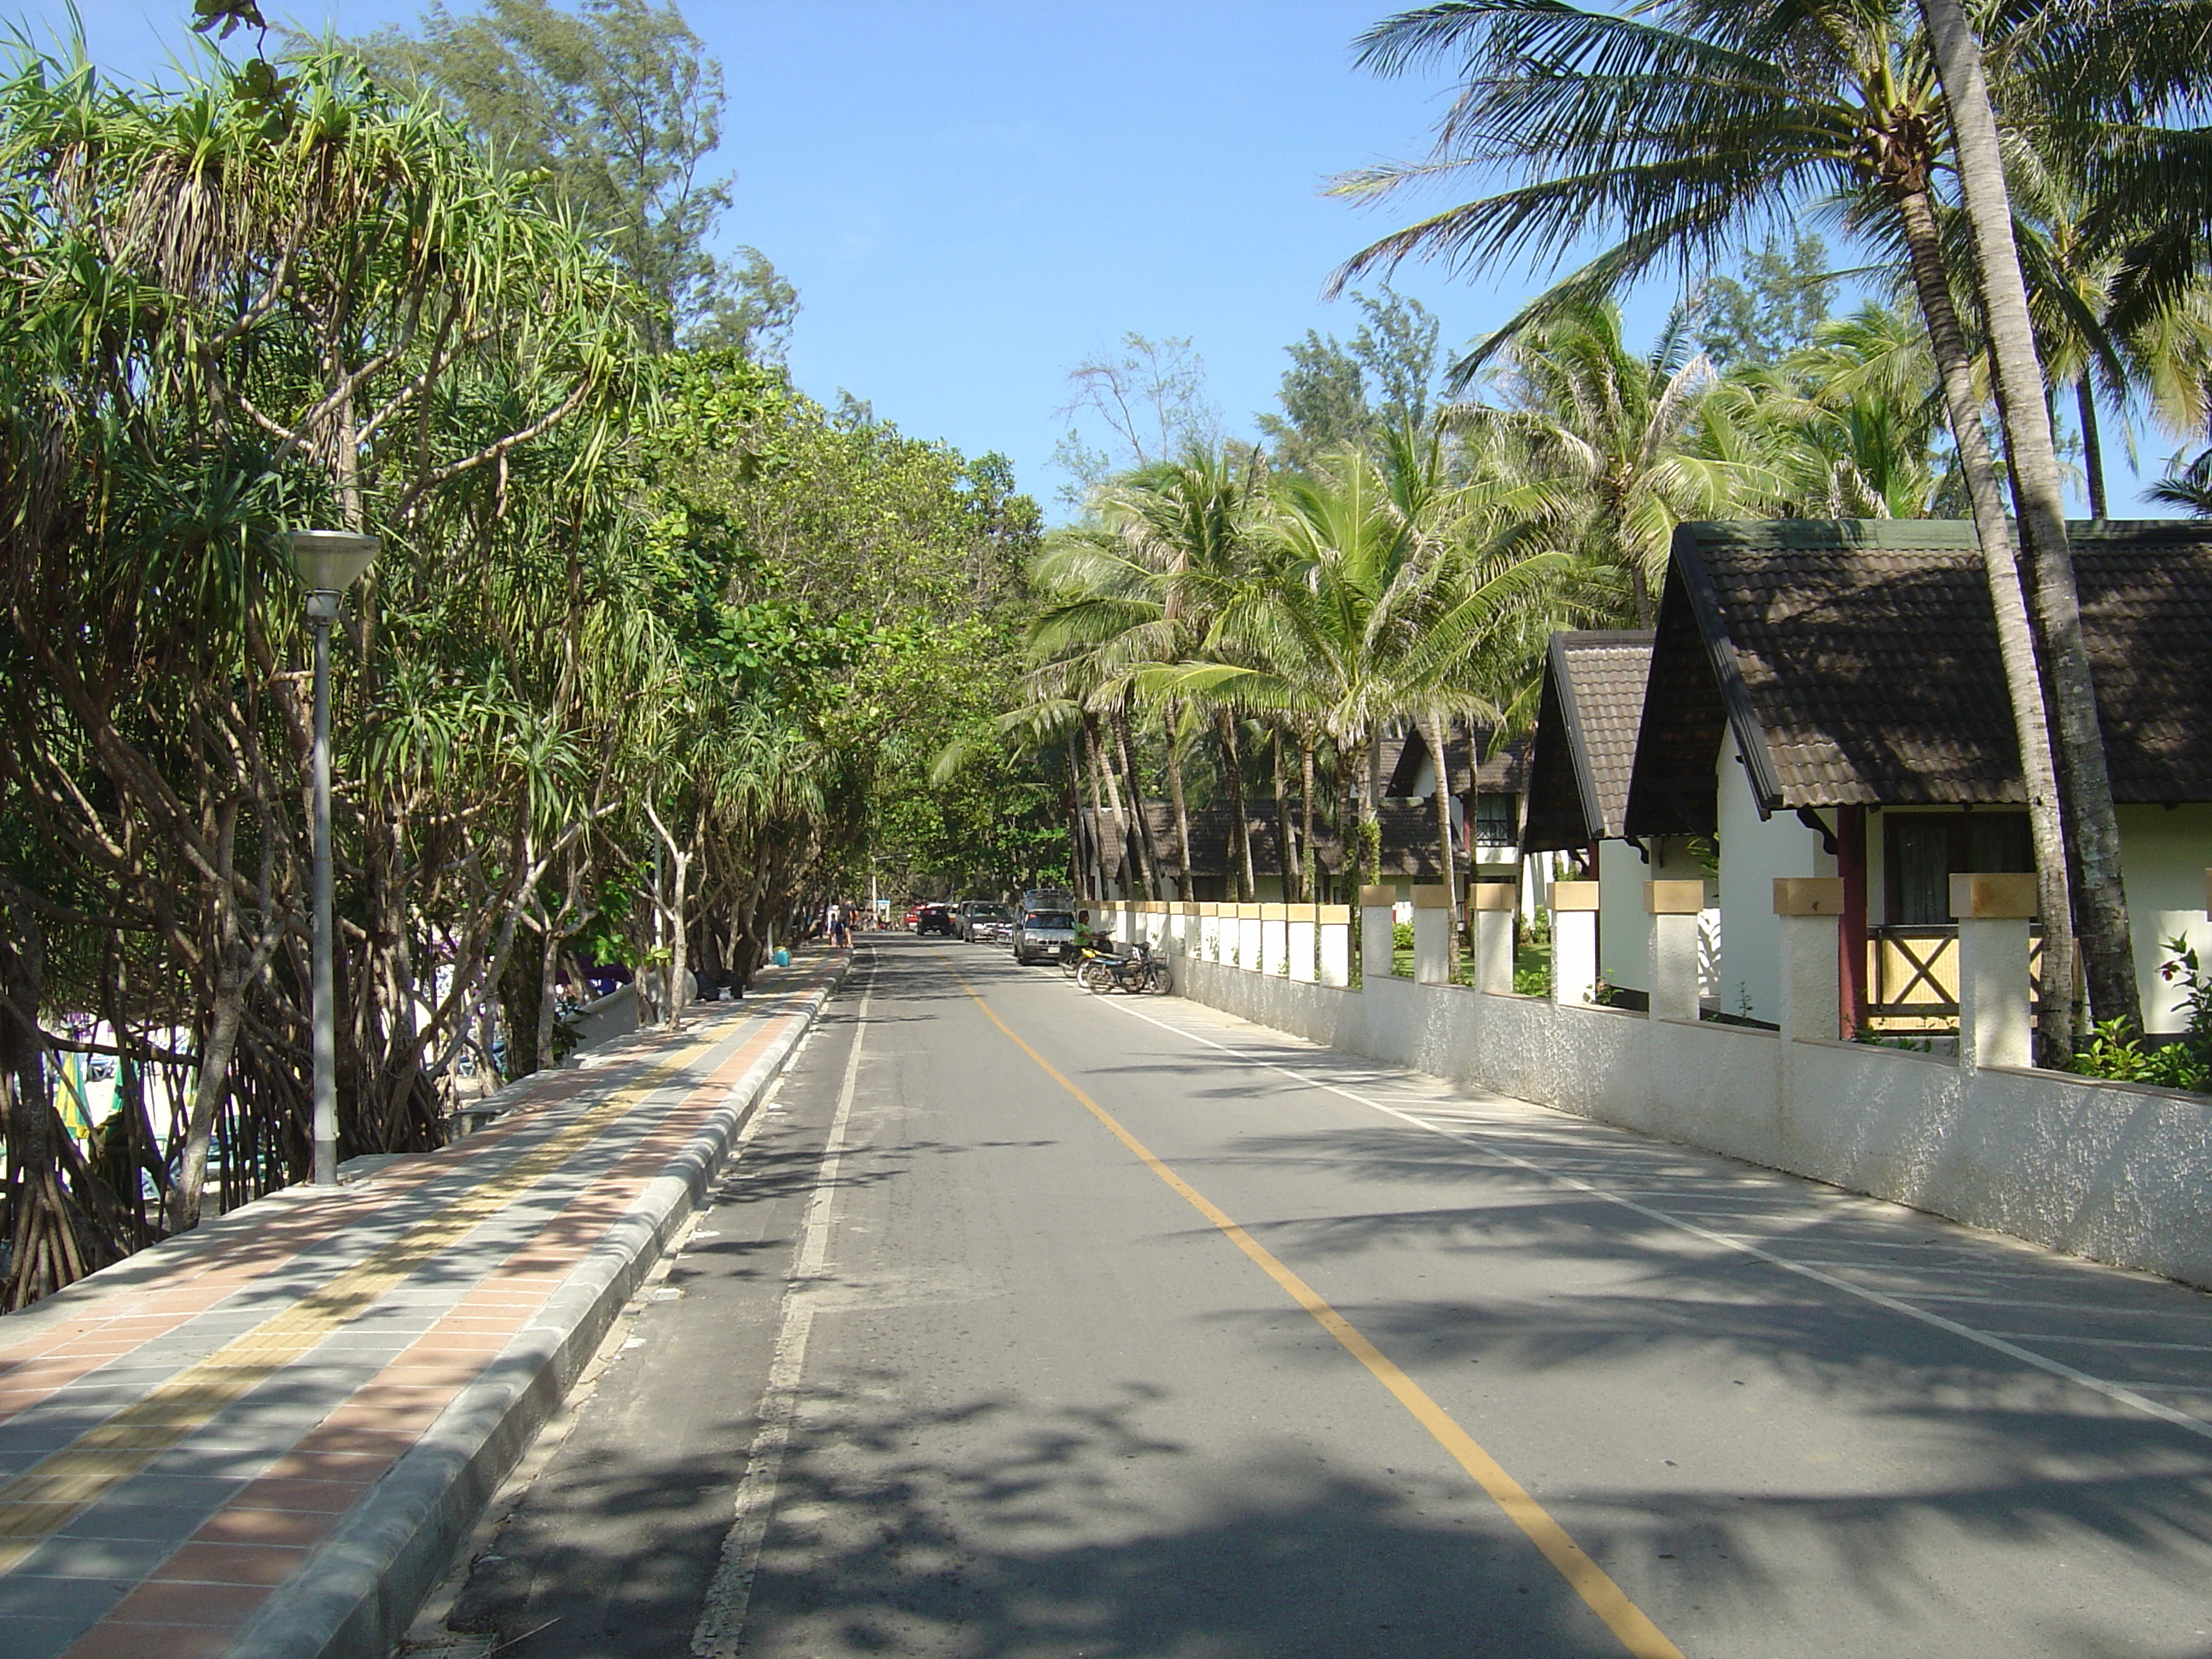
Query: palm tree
[1612, 439]
[1846, 426]
[2032, 466]
[1142, 584]
[1366, 610]
[1684, 135]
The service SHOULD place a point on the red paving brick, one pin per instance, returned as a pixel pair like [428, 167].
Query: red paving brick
[208, 1563]
[332, 1497]
[361, 1467]
[179, 1601]
[298, 1528]
[112, 1639]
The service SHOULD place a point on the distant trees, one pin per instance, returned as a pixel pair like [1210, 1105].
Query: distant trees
[618, 106]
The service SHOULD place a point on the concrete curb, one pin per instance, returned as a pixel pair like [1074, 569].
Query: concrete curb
[365, 1584]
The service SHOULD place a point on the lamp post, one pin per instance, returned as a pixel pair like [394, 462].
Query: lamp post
[328, 562]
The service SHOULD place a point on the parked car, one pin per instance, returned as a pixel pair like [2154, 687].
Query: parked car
[934, 919]
[1042, 935]
[986, 923]
[913, 915]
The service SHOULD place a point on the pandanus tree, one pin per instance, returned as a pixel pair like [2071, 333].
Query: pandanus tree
[1678, 129]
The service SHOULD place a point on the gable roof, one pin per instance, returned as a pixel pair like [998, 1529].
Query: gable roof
[1585, 741]
[1403, 749]
[1857, 662]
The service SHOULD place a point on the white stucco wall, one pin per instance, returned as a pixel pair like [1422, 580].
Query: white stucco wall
[1754, 852]
[1624, 942]
[1623, 928]
[2108, 1170]
[2165, 854]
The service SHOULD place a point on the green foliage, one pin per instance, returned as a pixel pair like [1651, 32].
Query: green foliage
[1532, 967]
[1337, 394]
[652, 646]
[2115, 1051]
[1140, 407]
[1775, 309]
[617, 106]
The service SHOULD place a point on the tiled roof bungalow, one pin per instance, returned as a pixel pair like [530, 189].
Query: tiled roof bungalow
[1580, 759]
[1821, 718]
[1825, 699]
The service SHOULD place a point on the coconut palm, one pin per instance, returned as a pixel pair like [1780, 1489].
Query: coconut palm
[1142, 584]
[1612, 439]
[1681, 131]
[1366, 609]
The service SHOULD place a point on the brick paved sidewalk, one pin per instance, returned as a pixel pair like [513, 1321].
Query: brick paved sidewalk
[264, 1437]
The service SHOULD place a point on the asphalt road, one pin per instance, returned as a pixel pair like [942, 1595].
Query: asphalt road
[1126, 1330]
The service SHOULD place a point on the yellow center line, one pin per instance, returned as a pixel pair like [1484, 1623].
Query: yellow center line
[52, 1492]
[1591, 1582]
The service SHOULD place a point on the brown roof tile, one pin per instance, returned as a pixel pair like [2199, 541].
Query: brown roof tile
[1585, 743]
[1857, 660]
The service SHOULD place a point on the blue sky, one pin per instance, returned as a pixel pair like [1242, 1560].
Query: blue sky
[972, 196]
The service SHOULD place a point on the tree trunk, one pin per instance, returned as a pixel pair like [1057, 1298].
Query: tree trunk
[2101, 918]
[1310, 865]
[1124, 860]
[1147, 858]
[680, 965]
[2015, 639]
[1240, 827]
[225, 1018]
[1087, 762]
[1434, 736]
[1368, 772]
[1286, 843]
[1182, 811]
[2093, 445]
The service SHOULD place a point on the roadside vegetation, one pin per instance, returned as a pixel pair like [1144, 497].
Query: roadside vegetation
[2019, 206]
[655, 647]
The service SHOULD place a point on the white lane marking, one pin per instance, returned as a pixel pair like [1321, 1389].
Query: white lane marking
[2062, 1307]
[720, 1633]
[2058, 1368]
[2109, 1342]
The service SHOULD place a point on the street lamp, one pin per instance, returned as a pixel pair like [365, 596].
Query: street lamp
[328, 562]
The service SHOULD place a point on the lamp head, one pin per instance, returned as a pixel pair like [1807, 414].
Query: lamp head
[330, 560]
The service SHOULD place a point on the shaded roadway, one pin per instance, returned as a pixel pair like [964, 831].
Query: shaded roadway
[1048, 1409]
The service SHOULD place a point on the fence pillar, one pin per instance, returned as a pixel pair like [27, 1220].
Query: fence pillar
[1247, 937]
[1275, 939]
[1675, 908]
[1333, 922]
[1303, 923]
[1376, 938]
[1432, 918]
[1574, 941]
[1809, 909]
[1208, 946]
[1489, 918]
[1995, 1027]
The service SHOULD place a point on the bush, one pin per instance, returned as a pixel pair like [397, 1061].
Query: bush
[2185, 1063]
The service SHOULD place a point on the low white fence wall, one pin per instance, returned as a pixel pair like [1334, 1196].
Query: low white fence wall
[2116, 1172]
